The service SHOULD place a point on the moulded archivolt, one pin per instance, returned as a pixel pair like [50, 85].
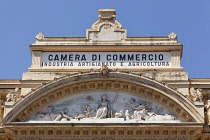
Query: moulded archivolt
[59, 89]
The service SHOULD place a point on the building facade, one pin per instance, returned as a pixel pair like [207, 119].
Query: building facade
[105, 86]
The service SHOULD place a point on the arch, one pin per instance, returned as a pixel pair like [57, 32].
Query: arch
[138, 85]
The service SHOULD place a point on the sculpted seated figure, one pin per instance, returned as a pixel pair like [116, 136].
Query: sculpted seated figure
[58, 115]
[63, 115]
[104, 109]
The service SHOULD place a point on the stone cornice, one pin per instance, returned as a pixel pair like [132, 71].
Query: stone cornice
[69, 131]
[99, 47]
[67, 124]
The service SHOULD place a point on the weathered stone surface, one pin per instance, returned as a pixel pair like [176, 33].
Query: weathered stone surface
[71, 90]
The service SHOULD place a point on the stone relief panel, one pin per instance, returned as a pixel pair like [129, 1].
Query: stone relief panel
[196, 95]
[13, 95]
[104, 107]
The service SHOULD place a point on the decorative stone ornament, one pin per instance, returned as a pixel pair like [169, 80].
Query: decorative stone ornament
[13, 95]
[196, 95]
[207, 112]
[1, 110]
[107, 14]
[106, 107]
[107, 17]
[172, 36]
[39, 36]
[1, 104]
[107, 28]
[104, 71]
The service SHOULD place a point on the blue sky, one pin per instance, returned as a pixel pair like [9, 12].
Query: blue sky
[22, 20]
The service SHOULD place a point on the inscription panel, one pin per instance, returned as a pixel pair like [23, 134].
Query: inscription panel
[112, 60]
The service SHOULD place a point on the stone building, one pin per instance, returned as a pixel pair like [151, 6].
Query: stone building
[105, 86]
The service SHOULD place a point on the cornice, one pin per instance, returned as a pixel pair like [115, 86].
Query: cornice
[69, 131]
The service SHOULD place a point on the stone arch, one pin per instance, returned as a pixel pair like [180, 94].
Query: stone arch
[147, 88]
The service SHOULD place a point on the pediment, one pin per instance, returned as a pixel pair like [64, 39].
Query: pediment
[104, 107]
[93, 84]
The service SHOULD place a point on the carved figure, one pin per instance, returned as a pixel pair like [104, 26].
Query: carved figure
[12, 95]
[155, 117]
[196, 95]
[104, 110]
[127, 115]
[60, 115]
[135, 105]
[139, 114]
[50, 112]
[199, 94]
[119, 115]
[41, 115]
[1, 110]
[1, 104]
[87, 112]
[207, 108]
[63, 116]
[80, 116]
[135, 115]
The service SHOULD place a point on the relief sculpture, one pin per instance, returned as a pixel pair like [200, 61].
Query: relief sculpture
[107, 107]
[1, 110]
[207, 112]
[196, 95]
[13, 95]
[104, 110]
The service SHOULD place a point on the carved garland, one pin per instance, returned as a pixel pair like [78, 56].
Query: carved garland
[106, 85]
